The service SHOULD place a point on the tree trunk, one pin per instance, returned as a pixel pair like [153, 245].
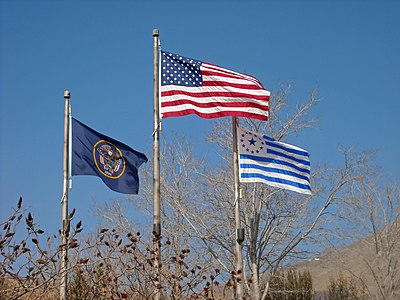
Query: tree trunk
[256, 286]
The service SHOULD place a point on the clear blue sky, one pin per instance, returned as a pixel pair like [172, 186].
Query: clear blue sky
[102, 51]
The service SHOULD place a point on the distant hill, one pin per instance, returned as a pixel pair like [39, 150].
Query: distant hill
[362, 261]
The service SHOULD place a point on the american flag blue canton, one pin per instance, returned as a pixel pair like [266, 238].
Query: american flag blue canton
[263, 159]
[179, 70]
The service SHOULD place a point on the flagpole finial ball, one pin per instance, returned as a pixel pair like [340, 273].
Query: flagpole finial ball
[156, 32]
[67, 94]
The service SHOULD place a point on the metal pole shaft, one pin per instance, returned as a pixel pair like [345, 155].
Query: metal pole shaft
[238, 229]
[156, 172]
[64, 202]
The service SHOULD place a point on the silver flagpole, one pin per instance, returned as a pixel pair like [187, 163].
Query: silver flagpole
[64, 202]
[239, 230]
[156, 172]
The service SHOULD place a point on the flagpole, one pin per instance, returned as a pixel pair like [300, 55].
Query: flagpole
[156, 171]
[64, 201]
[238, 229]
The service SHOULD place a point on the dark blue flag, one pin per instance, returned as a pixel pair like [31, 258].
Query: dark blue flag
[114, 162]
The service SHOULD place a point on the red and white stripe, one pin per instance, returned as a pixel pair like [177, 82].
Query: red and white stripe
[223, 93]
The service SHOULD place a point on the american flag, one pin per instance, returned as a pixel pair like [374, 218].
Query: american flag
[189, 86]
[263, 159]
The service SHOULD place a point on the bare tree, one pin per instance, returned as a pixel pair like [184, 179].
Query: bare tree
[281, 227]
[197, 200]
[277, 222]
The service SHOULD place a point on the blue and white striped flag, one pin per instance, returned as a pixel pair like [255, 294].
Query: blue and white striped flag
[263, 159]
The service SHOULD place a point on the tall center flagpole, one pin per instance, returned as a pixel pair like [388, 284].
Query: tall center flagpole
[239, 230]
[156, 172]
[64, 201]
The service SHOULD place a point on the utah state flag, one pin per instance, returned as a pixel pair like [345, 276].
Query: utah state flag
[114, 162]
